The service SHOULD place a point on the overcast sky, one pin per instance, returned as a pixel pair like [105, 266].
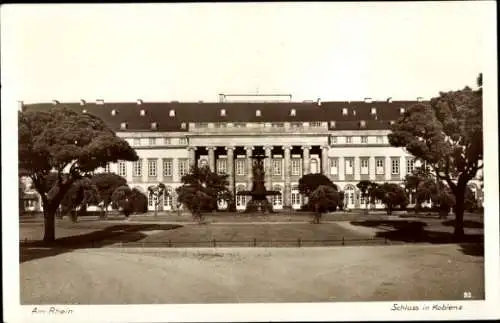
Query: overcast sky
[191, 52]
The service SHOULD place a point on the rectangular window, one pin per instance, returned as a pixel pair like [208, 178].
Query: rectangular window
[220, 125]
[137, 168]
[183, 166]
[277, 124]
[221, 166]
[152, 141]
[122, 169]
[364, 166]
[380, 140]
[166, 141]
[364, 139]
[107, 168]
[410, 166]
[333, 166]
[137, 141]
[239, 125]
[277, 167]
[315, 124]
[183, 141]
[296, 166]
[167, 167]
[395, 166]
[349, 166]
[240, 167]
[201, 125]
[379, 169]
[152, 163]
[348, 139]
[333, 140]
[295, 124]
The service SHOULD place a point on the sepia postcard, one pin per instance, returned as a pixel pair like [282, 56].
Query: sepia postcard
[250, 162]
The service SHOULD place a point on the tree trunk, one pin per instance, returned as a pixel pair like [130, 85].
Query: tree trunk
[49, 224]
[459, 215]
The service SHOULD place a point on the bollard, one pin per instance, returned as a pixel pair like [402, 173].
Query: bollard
[343, 241]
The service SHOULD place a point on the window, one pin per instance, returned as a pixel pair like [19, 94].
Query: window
[171, 113]
[296, 124]
[239, 125]
[395, 166]
[257, 113]
[201, 125]
[137, 141]
[113, 112]
[277, 124]
[379, 167]
[152, 167]
[137, 167]
[166, 141]
[315, 124]
[402, 110]
[364, 139]
[222, 112]
[333, 166]
[380, 140]
[277, 199]
[122, 169]
[123, 125]
[183, 141]
[167, 167]
[349, 166]
[84, 111]
[151, 198]
[152, 141]
[240, 167]
[348, 139]
[202, 163]
[183, 125]
[374, 111]
[143, 112]
[362, 124]
[154, 125]
[183, 166]
[314, 166]
[221, 166]
[277, 167]
[292, 112]
[364, 166]
[167, 198]
[296, 163]
[107, 168]
[240, 199]
[333, 140]
[220, 125]
[344, 111]
[410, 165]
[332, 124]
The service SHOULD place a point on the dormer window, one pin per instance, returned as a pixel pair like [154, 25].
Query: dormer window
[332, 124]
[113, 112]
[84, 111]
[292, 112]
[154, 125]
[402, 110]
[82, 102]
[143, 112]
[391, 122]
[257, 113]
[99, 102]
[222, 112]
[123, 125]
[183, 125]
[139, 102]
[362, 123]
[374, 111]
[353, 112]
[344, 111]
[171, 113]
[55, 102]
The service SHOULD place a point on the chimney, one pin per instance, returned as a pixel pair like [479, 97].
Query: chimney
[389, 100]
[82, 102]
[20, 105]
[318, 101]
[139, 101]
[55, 102]
[99, 102]
[368, 100]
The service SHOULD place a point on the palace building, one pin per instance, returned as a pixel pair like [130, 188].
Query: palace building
[346, 141]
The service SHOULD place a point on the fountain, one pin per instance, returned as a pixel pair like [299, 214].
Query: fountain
[258, 193]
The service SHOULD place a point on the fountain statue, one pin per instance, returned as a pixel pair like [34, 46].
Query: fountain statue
[258, 193]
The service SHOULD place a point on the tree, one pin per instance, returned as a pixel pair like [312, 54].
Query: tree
[194, 199]
[366, 189]
[446, 133]
[106, 184]
[310, 182]
[156, 191]
[81, 194]
[138, 201]
[420, 185]
[70, 144]
[391, 195]
[322, 199]
[121, 200]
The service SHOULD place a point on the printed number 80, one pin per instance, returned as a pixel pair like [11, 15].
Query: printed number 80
[467, 295]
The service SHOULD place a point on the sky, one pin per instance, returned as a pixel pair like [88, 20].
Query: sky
[191, 52]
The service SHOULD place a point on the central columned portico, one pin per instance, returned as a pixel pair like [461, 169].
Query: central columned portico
[283, 166]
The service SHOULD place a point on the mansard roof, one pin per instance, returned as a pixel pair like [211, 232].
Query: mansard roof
[186, 112]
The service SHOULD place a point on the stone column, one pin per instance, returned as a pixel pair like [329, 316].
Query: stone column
[267, 167]
[324, 161]
[230, 167]
[307, 158]
[211, 158]
[287, 190]
[192, 156]
[249, 167]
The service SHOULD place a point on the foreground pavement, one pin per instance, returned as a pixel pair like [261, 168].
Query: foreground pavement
[199, 275]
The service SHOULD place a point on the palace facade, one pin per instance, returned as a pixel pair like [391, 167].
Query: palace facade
[346, 141]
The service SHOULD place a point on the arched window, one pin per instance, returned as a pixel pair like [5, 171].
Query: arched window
[314, 166]
[167, 198]
[278, 199]
[240, 199]
[296, 198]
[349, 196]
[151, 198]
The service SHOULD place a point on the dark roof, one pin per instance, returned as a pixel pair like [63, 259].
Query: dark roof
[239, 112]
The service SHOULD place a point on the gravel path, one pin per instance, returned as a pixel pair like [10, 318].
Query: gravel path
[155, 275]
